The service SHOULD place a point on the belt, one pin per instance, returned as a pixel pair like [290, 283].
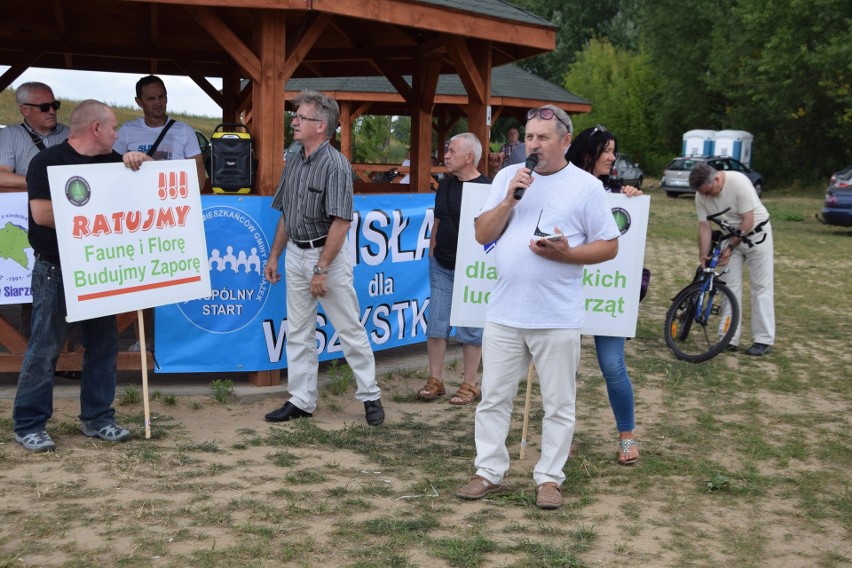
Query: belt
[312, 244]
[50, 259]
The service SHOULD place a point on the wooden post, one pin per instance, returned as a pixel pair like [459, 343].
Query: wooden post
[526, 412]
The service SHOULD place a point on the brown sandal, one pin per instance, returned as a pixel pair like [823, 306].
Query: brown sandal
[433, 389]
[466, 394]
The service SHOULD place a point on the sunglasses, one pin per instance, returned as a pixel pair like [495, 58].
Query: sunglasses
[44, 107]
[598, 128]
[546, 114]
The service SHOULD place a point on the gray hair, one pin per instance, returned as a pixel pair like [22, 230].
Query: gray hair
[564, 126]
[701, 175]
[326, 107]
[23, 92]
[472, 144]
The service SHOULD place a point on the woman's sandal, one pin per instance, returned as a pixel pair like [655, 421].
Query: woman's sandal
[433, 389]
[624, 457]
[466, 394]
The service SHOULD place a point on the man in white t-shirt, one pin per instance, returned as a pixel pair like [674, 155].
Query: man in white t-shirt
[715, 191]
[547, 225]
[139, 135]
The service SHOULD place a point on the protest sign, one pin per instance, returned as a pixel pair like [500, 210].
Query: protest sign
[16, 254]
[611, 288]
[128, 240]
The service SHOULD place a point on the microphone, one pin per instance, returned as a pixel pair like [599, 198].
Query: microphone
[530, 164]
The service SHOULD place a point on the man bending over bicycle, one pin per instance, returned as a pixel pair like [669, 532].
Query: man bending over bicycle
[716, 191]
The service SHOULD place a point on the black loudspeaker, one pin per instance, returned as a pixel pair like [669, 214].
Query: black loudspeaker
[232, 160]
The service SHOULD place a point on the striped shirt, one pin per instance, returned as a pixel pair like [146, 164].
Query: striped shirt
[312, 190]
[17, 148]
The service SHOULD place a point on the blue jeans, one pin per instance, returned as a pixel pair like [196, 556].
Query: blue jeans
[610, 352]
[34, 398]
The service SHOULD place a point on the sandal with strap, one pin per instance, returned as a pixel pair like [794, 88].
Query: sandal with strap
[624, 453]
[433, 389]
[466, 394]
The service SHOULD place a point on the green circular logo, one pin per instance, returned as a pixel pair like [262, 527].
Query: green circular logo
[77, 191]
[622, 219]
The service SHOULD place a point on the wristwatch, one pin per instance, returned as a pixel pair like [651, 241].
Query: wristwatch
[318, 270]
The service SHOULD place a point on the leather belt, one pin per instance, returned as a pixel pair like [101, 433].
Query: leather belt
[315, 243]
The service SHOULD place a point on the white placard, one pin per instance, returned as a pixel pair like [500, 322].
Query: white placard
[611, 288]
[129, 240]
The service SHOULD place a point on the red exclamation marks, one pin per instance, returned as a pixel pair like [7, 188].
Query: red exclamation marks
[162, 191]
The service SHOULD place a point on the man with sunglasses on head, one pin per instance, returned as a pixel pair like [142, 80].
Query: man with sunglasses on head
[19, 144]
[316, 201]
[546, 225]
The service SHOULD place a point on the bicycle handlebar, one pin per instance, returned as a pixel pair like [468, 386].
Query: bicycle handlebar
[734, 231]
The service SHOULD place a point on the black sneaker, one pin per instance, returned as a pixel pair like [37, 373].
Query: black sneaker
[731, 349]
[375, 412]
[758, 350]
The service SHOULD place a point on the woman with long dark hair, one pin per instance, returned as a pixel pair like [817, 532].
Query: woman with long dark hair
[594, 150]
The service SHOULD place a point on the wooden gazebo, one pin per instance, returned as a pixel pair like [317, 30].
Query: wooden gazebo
[269, 42]
[513, 91]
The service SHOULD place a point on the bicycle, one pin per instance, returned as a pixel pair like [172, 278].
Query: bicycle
[704, 316]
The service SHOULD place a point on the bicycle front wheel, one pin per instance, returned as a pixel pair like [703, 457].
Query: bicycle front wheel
[698, 329]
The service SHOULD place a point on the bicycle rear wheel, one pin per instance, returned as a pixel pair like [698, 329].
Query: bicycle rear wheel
[692, 339]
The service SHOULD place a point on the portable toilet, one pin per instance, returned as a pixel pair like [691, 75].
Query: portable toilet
[735, 144]
[698, 143]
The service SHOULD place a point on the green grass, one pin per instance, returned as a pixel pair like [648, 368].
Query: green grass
[744, 462]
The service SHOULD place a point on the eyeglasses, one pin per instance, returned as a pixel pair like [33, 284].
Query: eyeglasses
[304, 118]
[44, 107]
[546, 114]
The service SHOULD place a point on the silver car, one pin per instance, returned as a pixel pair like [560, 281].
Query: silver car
[675, 178]
[627, 171]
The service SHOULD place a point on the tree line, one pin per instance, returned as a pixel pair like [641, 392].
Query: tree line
[653, 70]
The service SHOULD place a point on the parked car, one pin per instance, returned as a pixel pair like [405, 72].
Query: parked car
[627, 171]
[837, 209]
[675, 178]
[204, 144]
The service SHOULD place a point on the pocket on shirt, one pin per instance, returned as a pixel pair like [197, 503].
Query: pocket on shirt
[315, 203]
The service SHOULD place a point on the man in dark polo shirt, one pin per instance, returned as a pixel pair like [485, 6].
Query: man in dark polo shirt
[93, 131]
[316, 202]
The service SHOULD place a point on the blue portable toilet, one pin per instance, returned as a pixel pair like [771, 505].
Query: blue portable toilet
[735, 144]
[698, 143]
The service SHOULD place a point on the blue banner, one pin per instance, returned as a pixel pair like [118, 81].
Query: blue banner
[242, 326]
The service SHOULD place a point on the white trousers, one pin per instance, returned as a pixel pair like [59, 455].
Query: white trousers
[506, 356]
[760, 260]
[341, 306]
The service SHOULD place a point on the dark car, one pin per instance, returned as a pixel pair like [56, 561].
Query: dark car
[675, 178]
[626, 171]
[837, 209]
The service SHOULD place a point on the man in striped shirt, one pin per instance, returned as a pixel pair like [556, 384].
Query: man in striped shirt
[316, 204]
[19, 144]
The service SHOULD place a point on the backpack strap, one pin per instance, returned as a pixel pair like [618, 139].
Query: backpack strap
[159, 139]
[39, 143]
